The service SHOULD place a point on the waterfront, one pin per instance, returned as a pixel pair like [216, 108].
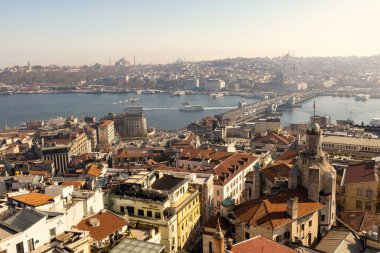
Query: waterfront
[161, 110]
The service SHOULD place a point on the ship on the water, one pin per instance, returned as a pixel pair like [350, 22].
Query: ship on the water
[362, 97]
[217, 95]
[191, 108]
[178, 93]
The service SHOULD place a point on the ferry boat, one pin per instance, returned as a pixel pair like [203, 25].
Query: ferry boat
[217, 95]
[362, 97]
[191, 108]
[178, 93]
[241, 104]
[148, 92]
[375, 122]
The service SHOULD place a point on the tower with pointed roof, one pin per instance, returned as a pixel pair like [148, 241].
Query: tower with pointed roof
[218, 239]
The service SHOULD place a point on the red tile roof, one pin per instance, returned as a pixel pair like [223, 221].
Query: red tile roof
[361, 221]
[272, 212]
[276, 170]
[361, 173]
[33, 199]
[271, 137]
[105, 123]
[94, 170]
[288, 156]
[232, 166]
[260, 244]
[109, 223]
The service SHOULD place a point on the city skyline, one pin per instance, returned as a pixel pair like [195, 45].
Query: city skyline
[85, 32]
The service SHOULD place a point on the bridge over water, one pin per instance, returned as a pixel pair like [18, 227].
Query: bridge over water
[259, 109]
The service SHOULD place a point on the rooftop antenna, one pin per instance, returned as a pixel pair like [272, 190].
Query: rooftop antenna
[314, 112]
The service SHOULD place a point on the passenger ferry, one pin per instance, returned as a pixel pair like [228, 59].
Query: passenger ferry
[191, 108]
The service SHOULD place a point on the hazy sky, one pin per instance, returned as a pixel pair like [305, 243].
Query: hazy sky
[73, 32]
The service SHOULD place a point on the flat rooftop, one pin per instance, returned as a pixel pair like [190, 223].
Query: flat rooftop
[137, 246]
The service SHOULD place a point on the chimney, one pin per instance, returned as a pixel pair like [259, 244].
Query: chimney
[292, 207]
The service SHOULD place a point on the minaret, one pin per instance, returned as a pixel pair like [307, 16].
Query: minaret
[218, 239]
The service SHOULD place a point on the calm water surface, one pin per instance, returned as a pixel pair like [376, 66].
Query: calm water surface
[162, 109]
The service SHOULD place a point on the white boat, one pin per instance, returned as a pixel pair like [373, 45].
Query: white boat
[191, 108]
[217, 95]
[375, 122]
[148, 92]
[178, 93]
[362, 97]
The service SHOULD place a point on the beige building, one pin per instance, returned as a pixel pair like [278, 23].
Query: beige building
[168, 203]
[130, 125]
[106, 132]
[359, 188]
[354, 147]
[286, 217]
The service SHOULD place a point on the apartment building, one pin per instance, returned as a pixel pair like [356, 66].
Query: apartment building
[162, 201]
[359, 188]
[106, 132]
[129, 124]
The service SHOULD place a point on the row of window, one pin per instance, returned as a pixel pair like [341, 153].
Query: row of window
[140, 212]
[351, 147]
[368, 193]
[367, 207]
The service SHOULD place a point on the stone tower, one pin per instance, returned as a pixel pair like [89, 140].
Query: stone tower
[314, 172]
[218, 239]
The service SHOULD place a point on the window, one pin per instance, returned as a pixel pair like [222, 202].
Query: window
[131, 210]
[303, 227]
[368, 206]
[122, 210]
[359, 192]
[218, 203]
[287, 235]
[20, 247]
[310, 223]
[157, 215]
[247, 235]
[217, 192]
[358, 204]
[31, 244]
[210, 247]
[53, 233]
[368, 193]
[149, 213]
[140, 212]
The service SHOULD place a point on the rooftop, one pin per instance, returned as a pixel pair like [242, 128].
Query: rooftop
[168, 183]
[33, 199]
[339, 240]
[352, 141]
[272, 212]
[102, 225]
[260, 244]
[137, 246]
[361, 173]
